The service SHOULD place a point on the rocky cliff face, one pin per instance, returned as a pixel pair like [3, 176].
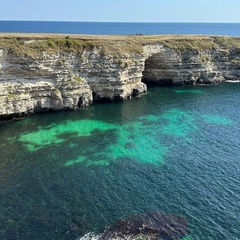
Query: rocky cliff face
[168, 66]
[36, 78]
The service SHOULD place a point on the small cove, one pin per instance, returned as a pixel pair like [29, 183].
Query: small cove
[175, 150]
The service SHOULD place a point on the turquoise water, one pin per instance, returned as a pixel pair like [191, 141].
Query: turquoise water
[175, 150]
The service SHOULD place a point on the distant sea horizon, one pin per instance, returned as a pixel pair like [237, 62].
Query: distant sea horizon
[172, 153]
[119, 28]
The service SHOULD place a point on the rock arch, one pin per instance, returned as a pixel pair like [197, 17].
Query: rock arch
[164, 66]
[171, 67]
[158, 71]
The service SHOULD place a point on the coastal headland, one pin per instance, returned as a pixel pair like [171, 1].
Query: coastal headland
[50, 72]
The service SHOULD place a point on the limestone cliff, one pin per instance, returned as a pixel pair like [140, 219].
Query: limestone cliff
[54, 72]
[183, 64]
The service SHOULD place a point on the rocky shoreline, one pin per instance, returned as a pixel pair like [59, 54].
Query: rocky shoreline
[40, 73]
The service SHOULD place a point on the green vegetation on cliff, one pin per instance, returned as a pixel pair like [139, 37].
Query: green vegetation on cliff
[34, 44]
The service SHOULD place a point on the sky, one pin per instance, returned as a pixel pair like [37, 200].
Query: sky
[122, 10]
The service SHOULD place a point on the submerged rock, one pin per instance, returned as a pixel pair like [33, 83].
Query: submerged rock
[155, 226]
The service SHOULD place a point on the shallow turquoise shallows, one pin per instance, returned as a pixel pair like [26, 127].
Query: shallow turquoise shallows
[175, 150]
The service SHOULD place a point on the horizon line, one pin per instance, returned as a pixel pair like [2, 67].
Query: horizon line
[76, 21]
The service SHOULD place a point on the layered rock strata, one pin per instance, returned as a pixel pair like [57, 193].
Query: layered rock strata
[168, 66]
[58, 73]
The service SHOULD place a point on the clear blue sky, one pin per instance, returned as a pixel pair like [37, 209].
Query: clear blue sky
[122, 10]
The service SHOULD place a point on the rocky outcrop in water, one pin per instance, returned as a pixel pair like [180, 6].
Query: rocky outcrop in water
[43, 73]
[154, 226]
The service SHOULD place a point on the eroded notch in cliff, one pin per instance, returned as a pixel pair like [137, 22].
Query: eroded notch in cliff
[160, 70]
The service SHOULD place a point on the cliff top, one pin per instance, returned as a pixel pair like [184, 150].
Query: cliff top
[34, 44]
[97, 37]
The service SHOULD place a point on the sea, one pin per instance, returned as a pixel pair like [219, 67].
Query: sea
[174, 151]
[120, 28]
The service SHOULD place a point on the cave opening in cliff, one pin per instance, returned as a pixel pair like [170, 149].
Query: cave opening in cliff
[158, 71]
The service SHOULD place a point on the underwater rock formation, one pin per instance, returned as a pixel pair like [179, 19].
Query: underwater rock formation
[154, 226]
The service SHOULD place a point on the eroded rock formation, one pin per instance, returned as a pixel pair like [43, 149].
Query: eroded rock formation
[42, 74]
[153, 226]
[192, 66]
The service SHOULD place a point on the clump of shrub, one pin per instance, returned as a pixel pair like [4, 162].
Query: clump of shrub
[235, 61]
[10, 95]
[72, 44]
[51, 44]
[228, 42]
[57, 91]
[78, 79]
[190, 43]
[205, 58]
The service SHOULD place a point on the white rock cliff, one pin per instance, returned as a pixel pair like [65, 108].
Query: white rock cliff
[62, 80]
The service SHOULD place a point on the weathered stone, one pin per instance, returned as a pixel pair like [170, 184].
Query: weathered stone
[189, 67]
[154, 226]
[64, 80]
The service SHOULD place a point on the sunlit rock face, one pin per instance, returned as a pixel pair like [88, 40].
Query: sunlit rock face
[68, 80]
[29, 85]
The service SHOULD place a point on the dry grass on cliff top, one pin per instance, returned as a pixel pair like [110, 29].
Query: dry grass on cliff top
[35, 44]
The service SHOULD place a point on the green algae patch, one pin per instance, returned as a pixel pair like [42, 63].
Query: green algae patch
[88, 162]
[149, 118]
[216, 119]
[134, 144]
[137, 142]
[11, 139]
[188, 238]
[54, 134]
[178, 123]
[73, 162]
[194, 91]
[92, 142]
[130, 143]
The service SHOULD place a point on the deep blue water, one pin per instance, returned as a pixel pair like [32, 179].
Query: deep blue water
[231, 29]
[175, 150]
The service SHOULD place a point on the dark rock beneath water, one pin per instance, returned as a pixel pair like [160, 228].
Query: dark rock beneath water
[155, 225]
